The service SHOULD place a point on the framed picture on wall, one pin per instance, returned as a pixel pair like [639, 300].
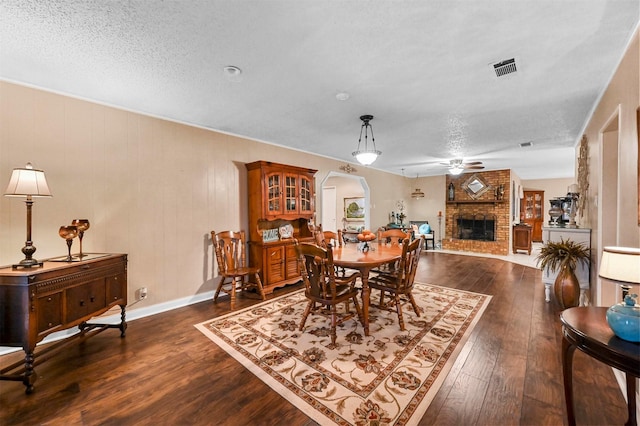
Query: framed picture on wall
[354, 209]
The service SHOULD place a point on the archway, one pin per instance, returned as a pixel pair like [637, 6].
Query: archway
[356, 187]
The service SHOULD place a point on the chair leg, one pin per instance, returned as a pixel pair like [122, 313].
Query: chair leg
[381, 304]
[259, 285]
[399, 311]
[334, 318]
[307, 311]
[220, 284]
[358, 310]
[234, 283]
[414, 304]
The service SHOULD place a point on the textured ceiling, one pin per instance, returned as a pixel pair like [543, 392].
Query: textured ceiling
[423, 69]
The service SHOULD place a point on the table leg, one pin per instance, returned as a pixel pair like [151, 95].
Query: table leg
[631, 400]
[567, 374]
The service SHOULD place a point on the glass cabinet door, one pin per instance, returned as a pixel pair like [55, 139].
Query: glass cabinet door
[290, 193]
[537, 206]
[306, 203]
[528, 206]
[274, 193]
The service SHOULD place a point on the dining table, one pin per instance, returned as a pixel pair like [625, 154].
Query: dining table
[352, 256]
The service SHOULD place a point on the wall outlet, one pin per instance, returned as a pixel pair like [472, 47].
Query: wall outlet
[142, 293]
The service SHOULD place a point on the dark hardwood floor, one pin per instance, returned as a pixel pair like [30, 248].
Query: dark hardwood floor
[165, 372]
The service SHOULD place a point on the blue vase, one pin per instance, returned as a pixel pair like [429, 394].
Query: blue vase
[624, 319]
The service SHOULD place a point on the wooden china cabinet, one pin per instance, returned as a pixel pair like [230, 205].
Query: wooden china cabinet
[281, 204]
[532, 213]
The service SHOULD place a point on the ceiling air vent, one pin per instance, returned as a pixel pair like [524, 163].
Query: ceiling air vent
[505, 67]
[526, 144]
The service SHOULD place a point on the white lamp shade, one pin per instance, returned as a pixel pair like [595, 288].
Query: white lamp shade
[366, 157]
[455, 170]
[620, 264]
[28, 181]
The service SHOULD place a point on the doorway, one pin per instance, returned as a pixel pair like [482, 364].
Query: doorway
[329, 220]
[608, 202]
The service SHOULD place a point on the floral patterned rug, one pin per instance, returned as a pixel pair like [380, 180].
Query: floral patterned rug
[386, 378]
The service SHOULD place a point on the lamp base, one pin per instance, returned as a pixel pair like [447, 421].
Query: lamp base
[27, 263]
[624, 319]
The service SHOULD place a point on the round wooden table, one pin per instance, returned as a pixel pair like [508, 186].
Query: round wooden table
[348, 256]
[586, 328]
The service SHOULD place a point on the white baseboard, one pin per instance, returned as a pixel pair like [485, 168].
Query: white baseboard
[131, 315]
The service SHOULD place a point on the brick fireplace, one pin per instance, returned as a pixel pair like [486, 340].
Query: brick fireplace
[478, 218]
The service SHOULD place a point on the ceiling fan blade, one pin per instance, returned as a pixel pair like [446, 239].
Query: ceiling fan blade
[472, 167]
[473, 163]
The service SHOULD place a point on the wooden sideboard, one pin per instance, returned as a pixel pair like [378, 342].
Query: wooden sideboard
[281, 200]
[35, 302]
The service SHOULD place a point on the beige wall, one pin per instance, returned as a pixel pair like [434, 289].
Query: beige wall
[151, 188]
[612, 209]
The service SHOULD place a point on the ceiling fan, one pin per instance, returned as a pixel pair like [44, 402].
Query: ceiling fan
[457, 165]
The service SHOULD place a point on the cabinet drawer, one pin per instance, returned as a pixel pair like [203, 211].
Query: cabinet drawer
[85, 299]
[49, 311]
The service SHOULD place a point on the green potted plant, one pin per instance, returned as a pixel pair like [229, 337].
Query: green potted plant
[564, 256]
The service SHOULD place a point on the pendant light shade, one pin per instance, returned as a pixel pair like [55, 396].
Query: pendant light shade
[417, 194]
[369, 154]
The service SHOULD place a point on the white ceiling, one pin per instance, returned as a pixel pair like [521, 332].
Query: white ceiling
[423, 69]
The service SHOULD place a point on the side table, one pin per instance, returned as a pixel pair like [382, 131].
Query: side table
[521, 238]
[586, 328]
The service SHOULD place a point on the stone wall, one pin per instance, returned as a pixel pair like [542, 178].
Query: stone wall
[488, 202]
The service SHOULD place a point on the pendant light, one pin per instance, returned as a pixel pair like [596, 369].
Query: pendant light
[368, 155]
[417, 194]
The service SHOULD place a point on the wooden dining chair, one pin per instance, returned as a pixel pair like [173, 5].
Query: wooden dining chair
[390, 236]
[333, 238]
[393, 236]
[323, 289]
[324, 238]
[399, 283]
[230, 249]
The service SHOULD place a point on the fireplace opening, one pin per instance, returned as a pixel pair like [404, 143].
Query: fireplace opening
[479, 227]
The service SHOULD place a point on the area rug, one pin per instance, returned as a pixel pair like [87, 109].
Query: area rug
[387, 378]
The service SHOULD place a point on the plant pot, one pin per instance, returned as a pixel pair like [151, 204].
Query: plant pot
[567, 288]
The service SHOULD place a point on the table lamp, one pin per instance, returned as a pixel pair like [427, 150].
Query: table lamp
[622, 265]
[28, 182]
